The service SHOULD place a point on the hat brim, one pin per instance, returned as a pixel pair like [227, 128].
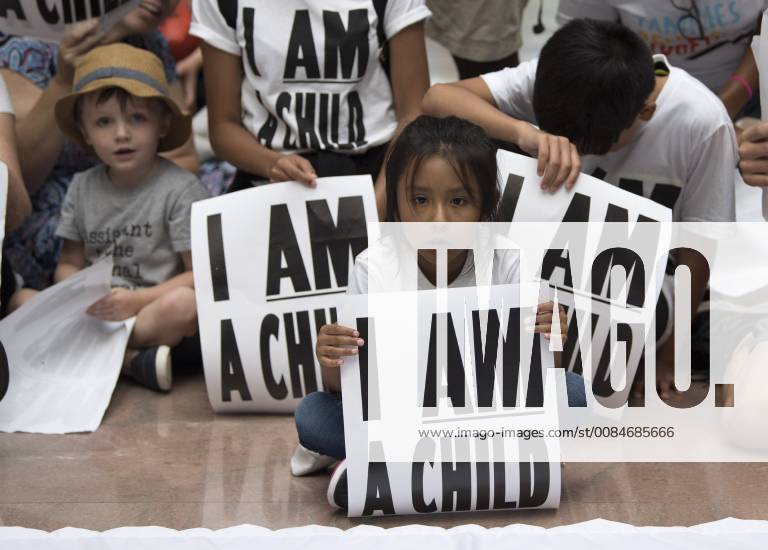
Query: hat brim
[179, 130]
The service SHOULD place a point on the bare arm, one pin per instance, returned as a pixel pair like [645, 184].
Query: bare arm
[472, 100]
[409, 77]
[146, 296]
[185, 156]
[733, 94]
[120, 304]
[71, 261]
[331, 379]
[188, 70]
[39, 138]
[559, 162]
[231, 141]
[19, 205]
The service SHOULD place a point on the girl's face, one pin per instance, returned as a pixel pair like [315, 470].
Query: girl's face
[438, 195]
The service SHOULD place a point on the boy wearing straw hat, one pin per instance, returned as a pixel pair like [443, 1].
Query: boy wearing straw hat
[134, 207]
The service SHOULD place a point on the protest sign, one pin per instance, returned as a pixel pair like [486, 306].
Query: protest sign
[270, 265]
[3, 203]
[50, 20]
[569, 275]
[433, 401]
[62, 364]
[760, 51]
[3, 198]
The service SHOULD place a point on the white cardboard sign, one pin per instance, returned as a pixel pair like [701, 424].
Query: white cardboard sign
[50, 20]
[62, 364]
[430, 429]
[270, 266]
[572, 279]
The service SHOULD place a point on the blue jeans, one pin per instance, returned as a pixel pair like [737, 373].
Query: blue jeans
[320, 418]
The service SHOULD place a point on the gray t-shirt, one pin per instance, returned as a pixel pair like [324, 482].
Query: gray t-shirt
[144, 227]
[479, 30]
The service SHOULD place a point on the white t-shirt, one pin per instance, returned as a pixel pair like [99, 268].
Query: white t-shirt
[380, 269]
[728, 27]
[312, 75]
[685, 157]
[5, 98]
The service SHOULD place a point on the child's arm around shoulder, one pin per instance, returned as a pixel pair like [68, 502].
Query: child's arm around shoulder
[472, 99]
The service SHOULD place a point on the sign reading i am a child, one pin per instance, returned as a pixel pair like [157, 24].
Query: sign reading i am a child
[271, 264]
[50, 20]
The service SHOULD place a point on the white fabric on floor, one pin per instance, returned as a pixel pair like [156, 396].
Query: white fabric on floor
[592, 535]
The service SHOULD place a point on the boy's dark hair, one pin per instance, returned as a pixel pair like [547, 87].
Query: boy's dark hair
[592, 81]
[105, 94]
[463, 144]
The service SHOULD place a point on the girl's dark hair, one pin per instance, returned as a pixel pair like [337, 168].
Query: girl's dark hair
[463, 144]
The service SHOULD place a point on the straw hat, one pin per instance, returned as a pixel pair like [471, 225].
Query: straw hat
[138, 72]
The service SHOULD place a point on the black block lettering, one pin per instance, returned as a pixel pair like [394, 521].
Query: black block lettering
[232, 374]
[457, 480]
[485, 360]
[345, 44]
[248, 29]
[378, 495]
[217, 260]
[301, 353]
[283, 243]
[301, 48]
[417, 490]
[349, 234]
[270, 328]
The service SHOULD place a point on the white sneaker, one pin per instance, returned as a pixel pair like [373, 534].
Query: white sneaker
[305, 462]
[152, 368]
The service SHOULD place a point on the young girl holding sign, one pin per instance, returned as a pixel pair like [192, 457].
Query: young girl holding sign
[439, 170]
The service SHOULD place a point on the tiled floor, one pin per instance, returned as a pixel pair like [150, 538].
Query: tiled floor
[168, 460]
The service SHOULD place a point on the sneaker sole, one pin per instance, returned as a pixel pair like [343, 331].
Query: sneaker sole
[340, 469]
[163, 368]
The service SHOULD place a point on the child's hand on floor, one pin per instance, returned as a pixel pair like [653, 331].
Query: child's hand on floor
[334, 342]
[544, 316]
[118, 305]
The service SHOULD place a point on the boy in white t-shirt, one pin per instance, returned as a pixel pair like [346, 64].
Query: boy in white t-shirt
[607, 107]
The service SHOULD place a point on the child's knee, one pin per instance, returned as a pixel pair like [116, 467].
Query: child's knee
[179, 308]
[19, 298]
[310, 410]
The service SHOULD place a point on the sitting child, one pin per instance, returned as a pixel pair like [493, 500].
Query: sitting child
[439, 170]
[135, 207]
